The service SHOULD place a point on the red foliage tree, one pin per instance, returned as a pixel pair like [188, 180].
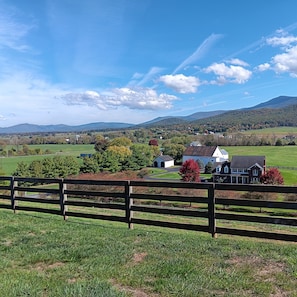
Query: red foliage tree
[272, 177]
[153, 142]
[190, 171]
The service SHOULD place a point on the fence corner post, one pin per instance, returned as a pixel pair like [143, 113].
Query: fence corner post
[129, 204]
[211, 211]
[63, 198]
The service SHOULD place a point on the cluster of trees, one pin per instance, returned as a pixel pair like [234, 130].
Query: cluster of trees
[58, 166]
[114, 155]
[119, 154]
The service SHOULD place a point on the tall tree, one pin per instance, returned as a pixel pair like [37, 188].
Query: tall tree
[190, 171]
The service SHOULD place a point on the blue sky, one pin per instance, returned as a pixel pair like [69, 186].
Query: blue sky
[75, 62]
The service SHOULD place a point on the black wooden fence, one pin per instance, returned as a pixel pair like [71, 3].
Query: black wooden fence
[207, 207]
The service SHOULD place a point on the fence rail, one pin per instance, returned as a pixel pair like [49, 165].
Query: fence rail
[204, 207]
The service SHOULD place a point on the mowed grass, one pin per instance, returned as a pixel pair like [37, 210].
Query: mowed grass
[276, 131]
[42, 255]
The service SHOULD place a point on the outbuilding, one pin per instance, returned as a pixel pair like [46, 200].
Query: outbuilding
[163, 161]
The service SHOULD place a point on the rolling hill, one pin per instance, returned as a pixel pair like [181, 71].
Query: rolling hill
[279, 111]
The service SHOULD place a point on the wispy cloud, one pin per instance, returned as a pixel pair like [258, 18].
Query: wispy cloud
[143, 79]
[13, 32]
[200, 51]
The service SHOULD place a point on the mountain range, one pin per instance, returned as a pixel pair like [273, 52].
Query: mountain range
[280, 102]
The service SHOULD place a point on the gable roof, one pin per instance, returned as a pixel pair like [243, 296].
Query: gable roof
[247, 161]
[165, 158]
[205, 151]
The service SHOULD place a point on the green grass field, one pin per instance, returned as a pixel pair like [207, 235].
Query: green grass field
[9, 164]
[277, 131]
[42, 255]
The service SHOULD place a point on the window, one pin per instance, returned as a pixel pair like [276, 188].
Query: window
[226, 169]
[255, 172]
[245, 180]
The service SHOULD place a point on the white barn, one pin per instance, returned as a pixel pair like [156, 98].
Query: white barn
[205, 154]
[163, 161]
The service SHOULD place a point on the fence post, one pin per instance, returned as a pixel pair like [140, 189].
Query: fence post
[63, 198]
[211, 211]
[129, 203]
[13, 193]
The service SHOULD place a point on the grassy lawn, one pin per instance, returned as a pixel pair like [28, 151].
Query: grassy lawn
[42, 255]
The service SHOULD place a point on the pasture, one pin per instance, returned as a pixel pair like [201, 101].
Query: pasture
[9, 164]
[276, 131]
[43, 255]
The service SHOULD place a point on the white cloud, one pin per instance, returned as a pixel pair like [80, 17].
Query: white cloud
[181, 83]
[122, 97]
[238, 62]
[282, 40]
[286, 62]
[226, 73]
[263, 67]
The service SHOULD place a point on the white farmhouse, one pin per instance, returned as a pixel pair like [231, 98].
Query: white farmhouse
[205, 154]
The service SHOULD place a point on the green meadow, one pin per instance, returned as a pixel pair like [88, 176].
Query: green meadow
[42, 255]
[9, 164]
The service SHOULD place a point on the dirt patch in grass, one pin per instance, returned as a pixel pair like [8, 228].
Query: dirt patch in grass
[138, 257]
[7, 242]
[264, 270]
[134, 292]
[41, 266]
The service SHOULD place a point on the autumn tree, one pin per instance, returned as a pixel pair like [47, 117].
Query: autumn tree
[153, 142]
[272, 176]
[174, 150]
[100, 144]
[120, 141]
[190, 171]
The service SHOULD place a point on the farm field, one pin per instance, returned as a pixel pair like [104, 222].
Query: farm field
[42, 255]
[277, 131]
[9, 164]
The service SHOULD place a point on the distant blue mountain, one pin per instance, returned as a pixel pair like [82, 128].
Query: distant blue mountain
[278, 102]
[30, 128]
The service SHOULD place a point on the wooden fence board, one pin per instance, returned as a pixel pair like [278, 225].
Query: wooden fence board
[128, 207]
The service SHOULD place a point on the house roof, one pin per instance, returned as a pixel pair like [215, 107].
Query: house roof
[165, 158]
[224, 152]
[206, 151]
[247, 161]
